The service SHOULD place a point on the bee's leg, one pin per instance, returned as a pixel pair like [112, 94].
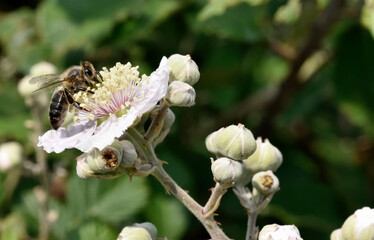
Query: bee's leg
[98, 76]
[73, 102]
[85, 90]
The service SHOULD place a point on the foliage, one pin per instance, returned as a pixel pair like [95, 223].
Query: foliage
[255, 59]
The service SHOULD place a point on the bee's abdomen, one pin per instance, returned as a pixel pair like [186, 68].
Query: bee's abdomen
[57, 109]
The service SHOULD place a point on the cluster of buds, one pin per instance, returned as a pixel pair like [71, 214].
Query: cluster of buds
[358, 226]
[183, 75]
[240, 157]
[240, 160]
[138, 231]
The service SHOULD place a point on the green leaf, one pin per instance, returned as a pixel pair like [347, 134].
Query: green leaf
[240, 22]
[96, 230]
[109, 200]
[13, 227]
[367, 16]
[169, 216]
[288, 13]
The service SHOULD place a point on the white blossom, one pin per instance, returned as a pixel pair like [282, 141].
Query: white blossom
[118, 101]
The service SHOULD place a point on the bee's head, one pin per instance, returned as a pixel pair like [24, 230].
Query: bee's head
[89, 73]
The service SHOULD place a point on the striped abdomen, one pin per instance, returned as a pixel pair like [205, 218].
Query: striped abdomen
[58, 108]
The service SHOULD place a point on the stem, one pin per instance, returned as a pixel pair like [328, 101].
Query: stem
[209, 223]
[215, 199]
[44, 225]
[251, 226]
[171, 186]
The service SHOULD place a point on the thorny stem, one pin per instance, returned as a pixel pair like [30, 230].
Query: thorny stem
[44, 225]
[215, 198]
[254, 203]
[171, 186]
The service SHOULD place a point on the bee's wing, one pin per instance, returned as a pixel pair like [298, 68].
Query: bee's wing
[45, 81]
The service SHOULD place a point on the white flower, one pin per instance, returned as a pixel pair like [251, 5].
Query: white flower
[113, 108]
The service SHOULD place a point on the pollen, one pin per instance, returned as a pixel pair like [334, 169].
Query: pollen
[122, 78]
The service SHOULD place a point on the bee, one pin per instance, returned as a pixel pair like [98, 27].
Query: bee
[72, 80]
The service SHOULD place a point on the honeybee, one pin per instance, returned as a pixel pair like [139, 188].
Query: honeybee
[73, 80]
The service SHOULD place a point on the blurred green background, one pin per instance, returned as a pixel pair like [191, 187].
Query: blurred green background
[299, 72]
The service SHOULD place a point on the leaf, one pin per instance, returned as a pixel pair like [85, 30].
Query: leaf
[13, 227]
[169, 217]
[96, 230]
[239, 22]
[109, 200]
[367, 16]
[288, 13]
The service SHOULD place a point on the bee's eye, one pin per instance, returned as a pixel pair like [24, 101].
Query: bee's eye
[88, 72]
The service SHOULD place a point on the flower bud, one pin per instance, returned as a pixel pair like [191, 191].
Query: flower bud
[265, 182]
[99, 163]
[226, 170]
[169, 119]
[149, 227]
[183, 69]
[134, 233]
[128, 152]
[10, 155]
[210, 143]
[337, 235]
[360, 225]
[235, 142]
[168, 122]
[180, 94]
[266, 157]
[278, 232]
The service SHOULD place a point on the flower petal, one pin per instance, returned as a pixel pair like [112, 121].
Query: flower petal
[149, 94]
[62, 138]
[105, 134]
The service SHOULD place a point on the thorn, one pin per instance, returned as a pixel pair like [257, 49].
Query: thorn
[211, 189]
[218, 223]
[163, 162]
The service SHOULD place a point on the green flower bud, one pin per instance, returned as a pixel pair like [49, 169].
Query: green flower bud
[265, 182]
[134, 233]
[183, 69]
[143, 170]
[128, 152]
[278, 232]
[168, 122]
[149, 227]
[336, 235]
[235, 142]
[360, 225]
[169, 119]
[101, 164]
[226, 170]
[180, 94]
[10, 155]
[210, 143]
[266, 157]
